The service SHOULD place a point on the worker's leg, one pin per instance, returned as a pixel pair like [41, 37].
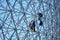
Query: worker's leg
[41, 23]
[33, 28]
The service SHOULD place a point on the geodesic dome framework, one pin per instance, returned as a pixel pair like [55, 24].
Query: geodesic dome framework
[15, 16]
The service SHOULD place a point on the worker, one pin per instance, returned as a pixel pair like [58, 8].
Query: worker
[40, 15]
[32, 25]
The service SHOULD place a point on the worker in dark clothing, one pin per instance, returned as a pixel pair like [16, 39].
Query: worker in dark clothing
[32, 25]
[40, 15]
